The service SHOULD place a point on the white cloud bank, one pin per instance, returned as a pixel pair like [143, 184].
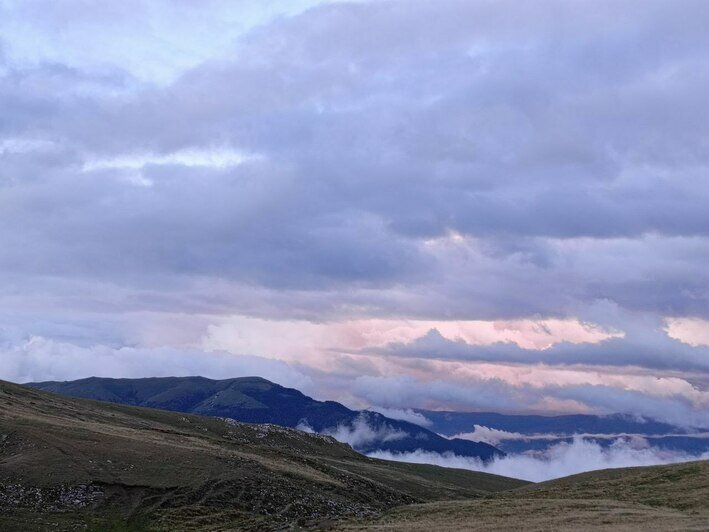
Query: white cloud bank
[491, 435]
[34, 359]
[558, 461]
[361, 433]
[404, 414]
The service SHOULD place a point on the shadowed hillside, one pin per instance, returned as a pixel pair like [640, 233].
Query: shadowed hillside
[68, 463]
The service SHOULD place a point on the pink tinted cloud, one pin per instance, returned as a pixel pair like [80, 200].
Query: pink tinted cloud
[692, 331]
[294, 339]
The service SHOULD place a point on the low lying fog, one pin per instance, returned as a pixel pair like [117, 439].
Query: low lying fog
[557, 461]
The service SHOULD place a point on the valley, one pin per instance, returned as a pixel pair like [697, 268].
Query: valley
[79, 464]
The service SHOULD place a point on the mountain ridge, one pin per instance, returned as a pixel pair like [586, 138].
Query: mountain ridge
[257, 400]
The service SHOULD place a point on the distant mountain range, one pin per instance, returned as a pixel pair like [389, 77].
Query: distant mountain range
[257, 400]
[520, 433]
[450, 423]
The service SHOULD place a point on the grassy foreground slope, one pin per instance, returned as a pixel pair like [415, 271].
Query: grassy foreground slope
[682, 486]
[68, 464]
[670, 497]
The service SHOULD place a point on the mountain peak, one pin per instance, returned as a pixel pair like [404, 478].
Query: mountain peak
[254, 399]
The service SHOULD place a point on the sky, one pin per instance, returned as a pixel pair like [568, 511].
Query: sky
[470, 205]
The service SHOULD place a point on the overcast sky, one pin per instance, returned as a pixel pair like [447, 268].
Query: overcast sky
[479, 205]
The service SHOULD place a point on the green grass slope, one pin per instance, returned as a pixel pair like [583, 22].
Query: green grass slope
[68, 464]
[670, 497]
[682, 486]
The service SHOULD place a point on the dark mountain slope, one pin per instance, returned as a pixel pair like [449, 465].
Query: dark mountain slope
[256, 400]
[68, 463]
[253, 399]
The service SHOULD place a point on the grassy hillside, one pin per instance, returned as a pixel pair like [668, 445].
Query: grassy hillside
[671, 497]
[73, 464]
[682, 487]
[68, 463]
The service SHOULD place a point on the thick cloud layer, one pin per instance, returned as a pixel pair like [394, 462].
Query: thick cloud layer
[496, 168]
[334, 161]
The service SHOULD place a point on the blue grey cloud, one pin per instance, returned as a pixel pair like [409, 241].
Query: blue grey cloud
[656, 351]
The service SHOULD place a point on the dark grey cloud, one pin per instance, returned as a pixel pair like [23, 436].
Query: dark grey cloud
[676, 410]
[635, 340]
[565, 142]
[656, 351]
